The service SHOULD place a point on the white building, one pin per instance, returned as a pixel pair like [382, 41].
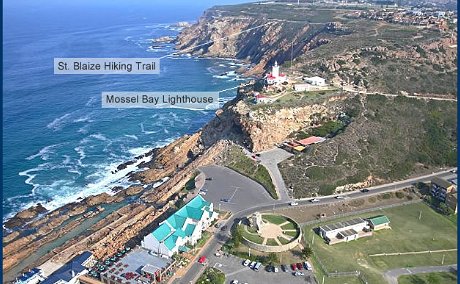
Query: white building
[275, 77]
[316, 81]
[33, 276]
[302, 87]
[260, 99]
[183, 227]
[343, 231]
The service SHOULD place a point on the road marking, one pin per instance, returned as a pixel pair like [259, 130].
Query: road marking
[233, 195]
[236, 272]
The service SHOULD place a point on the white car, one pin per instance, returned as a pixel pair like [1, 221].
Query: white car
[339, 197]
[235, 281]
[253, 264]
[294, 203]
[314, 200]
[246, 262]
[275, 269]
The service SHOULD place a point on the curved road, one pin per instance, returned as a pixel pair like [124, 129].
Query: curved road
[392, 275]
[222, 236]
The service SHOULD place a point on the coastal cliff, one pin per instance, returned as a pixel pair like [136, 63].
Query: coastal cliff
[255, 39]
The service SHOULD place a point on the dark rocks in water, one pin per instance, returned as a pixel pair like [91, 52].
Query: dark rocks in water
[125, 165]
[25, 215]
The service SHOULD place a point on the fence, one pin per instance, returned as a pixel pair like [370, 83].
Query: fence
[359, 212]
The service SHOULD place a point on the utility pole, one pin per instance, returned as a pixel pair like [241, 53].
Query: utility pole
[313, 240]
[420, 215]
[442, 262]
[249, 252]
[323, 280]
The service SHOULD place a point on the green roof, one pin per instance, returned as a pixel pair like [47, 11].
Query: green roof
[162, 232]
[189, 229]
[194, 213]
[170, 242]
[198, 202]
[172, 228]
[177, 220]
[379, 220]
[180, 233]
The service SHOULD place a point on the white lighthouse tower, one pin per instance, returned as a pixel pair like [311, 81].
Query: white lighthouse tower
[275, 77]
[276, 70]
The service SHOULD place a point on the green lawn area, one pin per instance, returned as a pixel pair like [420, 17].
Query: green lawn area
[429, 278]
[271, 242]
[408, 233]
[283, 241]
[290, 233]
[255, 238]
[289, 226]
[211, 276]
[275, 219]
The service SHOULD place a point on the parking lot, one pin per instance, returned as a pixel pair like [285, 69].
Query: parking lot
[234, 269]
[231, 191]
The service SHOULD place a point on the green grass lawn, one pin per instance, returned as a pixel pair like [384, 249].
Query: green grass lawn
[429, 278]
[275, 219]
[283, 241]
[271, 242]
[211, 276]
[255, 238]
[290, 233]
[408, 233]
[289, 226]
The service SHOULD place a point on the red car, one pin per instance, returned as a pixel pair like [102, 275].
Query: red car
[202, 260]
[299, 265]
[293, 267]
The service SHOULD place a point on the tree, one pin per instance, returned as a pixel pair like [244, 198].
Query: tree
[445, 209]
[272, 258]
[307, 252]
[237, 236]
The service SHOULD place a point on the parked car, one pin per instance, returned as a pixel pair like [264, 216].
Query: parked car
[235, 281]
[253, 264]
[284, 268]
[208, 178]
[314, 200]
[257, 266]
[298, 273]
[246, 262]
[224, 199]
[307, 265]
[364, 190]
[339, 197]
[275, 269]
[269, 268]
[294, 203]
[299, 266]
[293, 267]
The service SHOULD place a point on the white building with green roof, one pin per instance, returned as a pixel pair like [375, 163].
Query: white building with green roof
[183, 227]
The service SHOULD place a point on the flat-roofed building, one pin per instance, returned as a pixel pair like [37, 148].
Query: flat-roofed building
[344, 231]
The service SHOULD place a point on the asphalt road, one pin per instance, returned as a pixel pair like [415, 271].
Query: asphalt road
[219, 178]
[392, 275]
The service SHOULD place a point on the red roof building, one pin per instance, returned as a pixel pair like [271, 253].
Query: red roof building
[311, 140]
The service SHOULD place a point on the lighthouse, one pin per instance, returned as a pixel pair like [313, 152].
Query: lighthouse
[275, 70]
[275, 77]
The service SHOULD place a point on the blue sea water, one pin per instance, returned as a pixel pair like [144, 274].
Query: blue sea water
[59, 144]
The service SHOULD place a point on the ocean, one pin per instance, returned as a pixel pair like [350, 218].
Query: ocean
[59, 144]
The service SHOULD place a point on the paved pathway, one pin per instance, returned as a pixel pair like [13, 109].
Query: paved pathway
[392, 275]
[270, 159]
